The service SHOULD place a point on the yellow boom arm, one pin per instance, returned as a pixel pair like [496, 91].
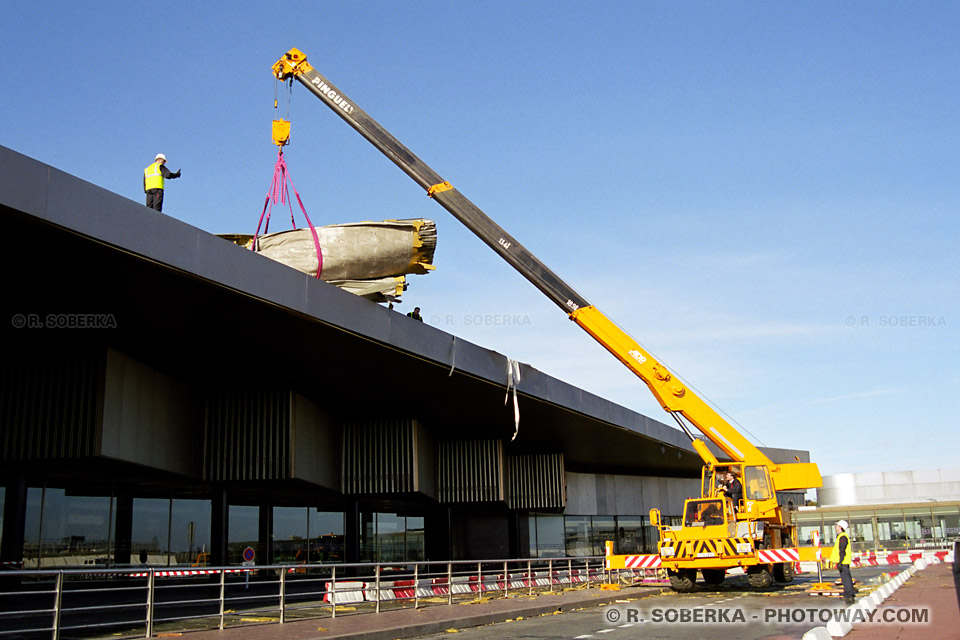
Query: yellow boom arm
[672, 394]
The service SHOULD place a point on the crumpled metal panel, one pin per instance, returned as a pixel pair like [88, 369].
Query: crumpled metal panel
[356, 251]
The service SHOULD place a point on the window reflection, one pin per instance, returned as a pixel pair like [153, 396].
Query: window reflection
[390, 537]
[190, 531]
[243, 532]
[149, 539]
[63, 530]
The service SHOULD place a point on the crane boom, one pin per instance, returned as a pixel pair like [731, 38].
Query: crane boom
[673, 395]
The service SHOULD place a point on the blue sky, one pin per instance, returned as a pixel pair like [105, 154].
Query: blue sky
[765, 195]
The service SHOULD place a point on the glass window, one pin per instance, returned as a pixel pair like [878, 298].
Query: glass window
[602, 528]
[290, 535]
[31, 531]
[75, 529]
[416, 550]
[190, 531]
[532, 532]
[326, 536]
[861, 530]
[151, 528]
[807, 523]
[631, 535]
[390, 537]
[919, 523]
[891, 530]
[703, 513]
[576, 535]
[757, 484]
[244, 531]
[550, 537]
[946, 522]
[368, 537]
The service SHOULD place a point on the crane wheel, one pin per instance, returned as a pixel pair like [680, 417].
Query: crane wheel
[682, 580]
[759, 576]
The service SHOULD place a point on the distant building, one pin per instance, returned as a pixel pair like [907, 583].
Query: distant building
[888, 509]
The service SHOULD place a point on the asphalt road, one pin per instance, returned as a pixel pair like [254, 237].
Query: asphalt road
[730, 611]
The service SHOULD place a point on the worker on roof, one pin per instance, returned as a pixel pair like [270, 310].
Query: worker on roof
[415, 314]
[153, 177]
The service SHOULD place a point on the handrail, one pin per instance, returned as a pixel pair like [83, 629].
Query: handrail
[177, 598]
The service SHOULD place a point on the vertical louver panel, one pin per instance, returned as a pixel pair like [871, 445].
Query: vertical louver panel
[536, 482]
[380, 456]
[247, 435]
[51, 399]
[470, 471]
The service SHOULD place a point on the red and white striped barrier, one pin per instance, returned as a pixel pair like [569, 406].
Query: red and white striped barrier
[767, 556]
[460, 584]
[178, 573]
[648, 561]
[352, 592]
[876, 558]
[344, 592]
[440, 586]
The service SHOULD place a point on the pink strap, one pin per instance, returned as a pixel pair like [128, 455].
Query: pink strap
[280, 192]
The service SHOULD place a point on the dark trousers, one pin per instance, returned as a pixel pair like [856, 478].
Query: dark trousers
[155, 199]
[846, 579]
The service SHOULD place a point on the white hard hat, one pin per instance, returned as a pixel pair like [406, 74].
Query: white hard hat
[843, 524]
[160, 156]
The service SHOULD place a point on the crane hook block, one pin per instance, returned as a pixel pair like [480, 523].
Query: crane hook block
[281, 132]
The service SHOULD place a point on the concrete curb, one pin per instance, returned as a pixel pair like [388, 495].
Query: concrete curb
[817, 633]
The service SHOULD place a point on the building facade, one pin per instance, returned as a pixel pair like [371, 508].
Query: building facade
[170, 398]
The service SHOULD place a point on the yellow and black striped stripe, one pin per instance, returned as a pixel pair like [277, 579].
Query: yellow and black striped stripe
[715, 548]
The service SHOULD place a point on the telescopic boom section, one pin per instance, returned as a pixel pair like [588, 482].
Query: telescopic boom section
[672, 394]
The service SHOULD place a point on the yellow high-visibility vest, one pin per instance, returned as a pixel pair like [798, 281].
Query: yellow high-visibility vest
[152, 178]
[835, 554]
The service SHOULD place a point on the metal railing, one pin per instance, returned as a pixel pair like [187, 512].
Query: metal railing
[141, 602]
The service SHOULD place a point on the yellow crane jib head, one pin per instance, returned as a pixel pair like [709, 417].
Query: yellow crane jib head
[281, 132]
[293, 62]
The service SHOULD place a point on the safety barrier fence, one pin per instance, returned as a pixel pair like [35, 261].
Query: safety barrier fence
[141, 602]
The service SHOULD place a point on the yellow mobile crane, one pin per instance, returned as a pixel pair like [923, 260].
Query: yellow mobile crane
[715, 534]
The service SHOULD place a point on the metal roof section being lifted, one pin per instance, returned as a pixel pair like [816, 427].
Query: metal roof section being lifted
[369, 259]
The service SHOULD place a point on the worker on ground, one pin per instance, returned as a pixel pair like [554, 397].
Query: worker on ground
[734, 489]
[415, 314]
[153, 177]
[841, 556]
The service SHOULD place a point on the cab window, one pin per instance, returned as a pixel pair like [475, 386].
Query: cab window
[703, 513]
[757, 484]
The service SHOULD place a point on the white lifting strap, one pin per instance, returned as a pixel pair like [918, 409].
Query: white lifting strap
[513, 379]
